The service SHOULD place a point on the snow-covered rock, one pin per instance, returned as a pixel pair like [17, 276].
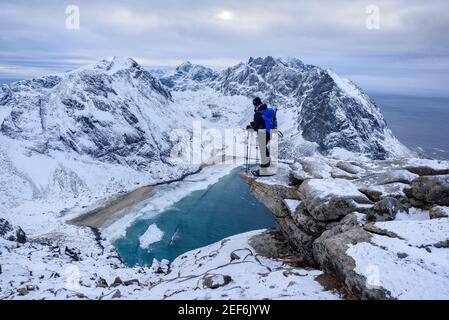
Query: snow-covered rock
[431, 189]
[387, 245]
[11, 233]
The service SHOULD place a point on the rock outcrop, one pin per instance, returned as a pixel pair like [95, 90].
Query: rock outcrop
[366, 223]
[11, 233]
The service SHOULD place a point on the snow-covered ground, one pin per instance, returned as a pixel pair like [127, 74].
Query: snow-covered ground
[409, 267]
[36, 271]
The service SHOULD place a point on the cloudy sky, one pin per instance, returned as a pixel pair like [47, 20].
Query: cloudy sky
[408, 54]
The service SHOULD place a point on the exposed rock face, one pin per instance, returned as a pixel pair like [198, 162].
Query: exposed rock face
[385, 210]
[349, 226]
[330, 252]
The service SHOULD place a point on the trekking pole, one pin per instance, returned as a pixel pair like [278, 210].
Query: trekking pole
[257, 149]
[250, 135]
[247, 152]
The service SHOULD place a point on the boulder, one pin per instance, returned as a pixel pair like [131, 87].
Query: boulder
[317, 168]
[438, 212]
[304, 220]
[132, 282]
[330, 249]
[431, 189]
[216, 281]
[23, 291]
[20, 235]
[391, 190]
[388, 177]
[338, 173]
[298, 175]
[117, 282]
[161, 267]
[350, 168]
[385, 210]
[330, 199]
[430, 169]
[11, 233]
[101, 283]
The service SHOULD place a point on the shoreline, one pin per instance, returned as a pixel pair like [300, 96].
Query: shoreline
[115, 207]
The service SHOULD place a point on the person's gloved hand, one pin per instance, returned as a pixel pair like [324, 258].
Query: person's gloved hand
[249, 128]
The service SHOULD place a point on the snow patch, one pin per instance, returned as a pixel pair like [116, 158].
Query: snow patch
[421, 275]
[419, 233]
[292, 204]
[152, 235]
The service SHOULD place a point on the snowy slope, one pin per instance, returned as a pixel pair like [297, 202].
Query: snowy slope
[57, 274]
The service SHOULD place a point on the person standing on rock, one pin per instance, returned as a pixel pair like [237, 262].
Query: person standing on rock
[264, 122]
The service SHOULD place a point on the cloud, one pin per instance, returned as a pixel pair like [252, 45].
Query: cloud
[411, 42]
[17, 72]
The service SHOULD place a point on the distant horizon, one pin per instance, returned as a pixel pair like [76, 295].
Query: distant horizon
[63, 68]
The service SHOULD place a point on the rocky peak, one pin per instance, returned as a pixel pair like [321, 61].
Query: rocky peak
[185, 67]
[106, 110]
[196, 72]
[318, 110]
[293, 62]
[263, 65]
[123, 63]
[187, 76]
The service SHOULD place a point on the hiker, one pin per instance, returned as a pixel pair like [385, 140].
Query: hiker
[264, 121]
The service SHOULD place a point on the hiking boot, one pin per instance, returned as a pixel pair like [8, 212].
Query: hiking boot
[263, 172]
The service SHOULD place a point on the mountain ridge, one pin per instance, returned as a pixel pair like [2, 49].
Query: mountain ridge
[327, 110]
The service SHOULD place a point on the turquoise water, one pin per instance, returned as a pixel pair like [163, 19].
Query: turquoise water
[199, 219]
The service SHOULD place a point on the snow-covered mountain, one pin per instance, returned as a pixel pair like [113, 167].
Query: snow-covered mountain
[112, 111]
[98, 130]
[318, 110]
[106, 127]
